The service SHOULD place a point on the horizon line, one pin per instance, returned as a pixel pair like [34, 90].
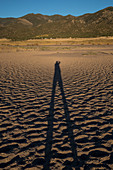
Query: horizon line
[55, 14]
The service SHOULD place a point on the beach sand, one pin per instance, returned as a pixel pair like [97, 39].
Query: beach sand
[79, 133]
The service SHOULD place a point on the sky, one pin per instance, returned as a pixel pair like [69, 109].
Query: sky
[18, 8]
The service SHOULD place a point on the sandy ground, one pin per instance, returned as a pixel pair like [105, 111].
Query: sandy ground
[81, 126]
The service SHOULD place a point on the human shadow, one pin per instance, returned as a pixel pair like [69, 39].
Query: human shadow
[48, 154]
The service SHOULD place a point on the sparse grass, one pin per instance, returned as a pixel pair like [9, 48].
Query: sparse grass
[53, 44]
[44, 48]
[90, 53]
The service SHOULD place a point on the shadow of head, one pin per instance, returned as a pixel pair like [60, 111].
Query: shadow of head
[57, 63]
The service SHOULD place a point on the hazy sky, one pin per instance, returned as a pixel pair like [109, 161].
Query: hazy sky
[18, 8]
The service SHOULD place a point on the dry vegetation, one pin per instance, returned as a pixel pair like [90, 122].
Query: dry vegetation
[52, 44]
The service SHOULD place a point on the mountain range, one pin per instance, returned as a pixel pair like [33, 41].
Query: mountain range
[33, 26]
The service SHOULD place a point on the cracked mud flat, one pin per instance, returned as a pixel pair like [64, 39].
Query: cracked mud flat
[25, 94]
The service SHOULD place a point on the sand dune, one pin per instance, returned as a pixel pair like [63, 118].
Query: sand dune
[79, 133]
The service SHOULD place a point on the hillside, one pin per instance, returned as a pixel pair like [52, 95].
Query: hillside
[57, 26]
